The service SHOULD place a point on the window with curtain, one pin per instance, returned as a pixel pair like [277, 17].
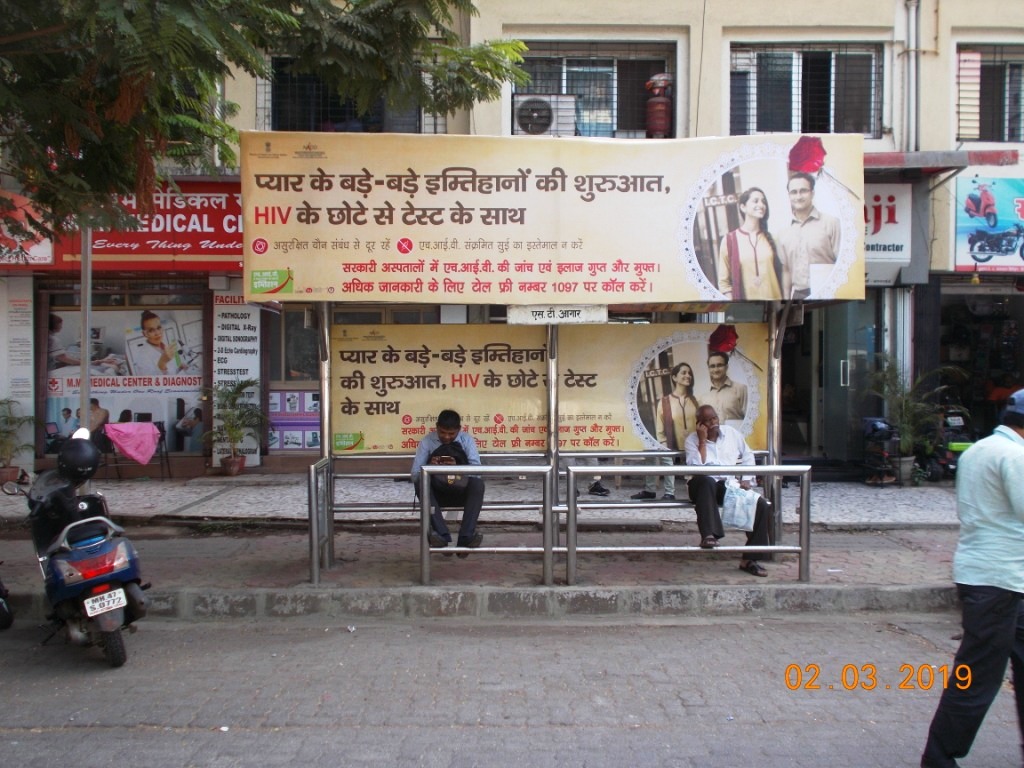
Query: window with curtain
[989, 84]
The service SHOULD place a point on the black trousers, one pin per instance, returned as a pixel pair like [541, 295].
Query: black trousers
[471, 500]
[707, 495]
[993, 622]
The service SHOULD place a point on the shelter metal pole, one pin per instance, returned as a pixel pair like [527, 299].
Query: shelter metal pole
[324, 336]
[775, 333]
[551, 536]
[85, 302]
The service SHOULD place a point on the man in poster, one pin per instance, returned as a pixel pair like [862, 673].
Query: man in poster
[728, 397]
[811, 238]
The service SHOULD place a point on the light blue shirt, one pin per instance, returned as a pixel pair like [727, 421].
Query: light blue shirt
[431, 442]
[990, 504]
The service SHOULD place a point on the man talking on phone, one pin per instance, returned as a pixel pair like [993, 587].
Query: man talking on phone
[450, 444]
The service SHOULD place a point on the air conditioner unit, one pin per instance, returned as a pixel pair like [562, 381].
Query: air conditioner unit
[543, 115]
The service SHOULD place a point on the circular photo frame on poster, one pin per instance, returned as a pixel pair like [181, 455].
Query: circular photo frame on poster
[650, 381]
[713, 210]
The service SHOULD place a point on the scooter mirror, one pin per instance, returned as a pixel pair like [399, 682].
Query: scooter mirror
[10, 488]
[82, 433]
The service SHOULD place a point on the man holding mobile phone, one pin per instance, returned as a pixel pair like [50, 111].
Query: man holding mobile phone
[449, 444]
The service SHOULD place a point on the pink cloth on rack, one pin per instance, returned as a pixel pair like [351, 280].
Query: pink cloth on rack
[136, 440]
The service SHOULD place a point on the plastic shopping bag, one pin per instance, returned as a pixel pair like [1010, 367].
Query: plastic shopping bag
[739, 508]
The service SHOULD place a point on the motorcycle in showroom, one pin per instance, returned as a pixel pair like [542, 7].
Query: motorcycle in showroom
[90, 568]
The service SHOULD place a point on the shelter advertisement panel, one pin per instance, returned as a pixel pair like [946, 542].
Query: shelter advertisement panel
[523, 220]
[989, 225]
[640, 393]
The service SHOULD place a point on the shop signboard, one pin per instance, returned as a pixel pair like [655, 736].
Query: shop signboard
[389, 383]
[195, 226]
[548, 221]
[989, 225]
[887, 214]
[236, 357]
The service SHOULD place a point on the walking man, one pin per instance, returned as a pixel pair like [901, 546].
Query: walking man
[988, 569]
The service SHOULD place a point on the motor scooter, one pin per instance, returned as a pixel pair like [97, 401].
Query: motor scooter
[984, 245]
[957, 433]
[90, 568]
[981, 204]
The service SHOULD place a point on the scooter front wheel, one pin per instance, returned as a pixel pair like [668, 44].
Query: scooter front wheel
[113, 648]
[991, 219]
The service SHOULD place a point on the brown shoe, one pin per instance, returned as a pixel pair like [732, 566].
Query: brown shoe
[708, 542]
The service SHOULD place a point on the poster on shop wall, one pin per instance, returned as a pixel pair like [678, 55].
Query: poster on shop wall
[989, 220]
[639, 392]
[542, 220]
[143, 365]
[236, 357]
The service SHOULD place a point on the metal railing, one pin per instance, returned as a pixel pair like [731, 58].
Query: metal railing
[803, 549]
[321, 519]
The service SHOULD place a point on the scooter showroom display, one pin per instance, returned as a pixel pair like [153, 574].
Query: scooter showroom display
[90, 568]
[981, 203]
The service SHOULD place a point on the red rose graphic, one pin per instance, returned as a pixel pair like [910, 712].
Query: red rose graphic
[723, 339]
[807, 155]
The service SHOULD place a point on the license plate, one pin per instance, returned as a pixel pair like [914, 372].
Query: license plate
[955, 421]
[108, 601]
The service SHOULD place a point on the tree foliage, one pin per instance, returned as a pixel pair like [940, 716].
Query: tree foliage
[94, 94]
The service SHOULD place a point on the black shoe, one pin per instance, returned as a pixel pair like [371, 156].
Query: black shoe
[753, 567]
[473, 543]
[644, 495]
[598, 490]
[435, 540]
[668, 497]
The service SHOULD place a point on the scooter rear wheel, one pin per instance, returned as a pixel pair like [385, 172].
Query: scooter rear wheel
[113, 648]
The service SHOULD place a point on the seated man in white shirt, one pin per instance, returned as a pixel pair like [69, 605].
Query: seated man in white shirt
[714, 444]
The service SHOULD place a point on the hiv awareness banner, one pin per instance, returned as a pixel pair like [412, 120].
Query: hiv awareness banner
[640, 393]
[518, 220]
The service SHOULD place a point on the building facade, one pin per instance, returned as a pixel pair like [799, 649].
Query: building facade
[934, 89]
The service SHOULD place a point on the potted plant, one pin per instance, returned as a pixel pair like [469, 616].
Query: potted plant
[911, 405]
[234, 417]
[11, 444]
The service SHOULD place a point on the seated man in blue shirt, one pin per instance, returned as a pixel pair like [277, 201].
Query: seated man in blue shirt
[715, 444]
[470, 498]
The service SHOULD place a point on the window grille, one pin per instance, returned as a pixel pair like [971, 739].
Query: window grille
[989, 83]
[805, 89]
[602, 84]
[291, 102]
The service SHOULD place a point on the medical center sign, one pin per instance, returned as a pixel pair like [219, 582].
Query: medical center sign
[514, 220]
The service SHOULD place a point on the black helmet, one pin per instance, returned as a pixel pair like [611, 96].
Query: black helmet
[78, 460]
